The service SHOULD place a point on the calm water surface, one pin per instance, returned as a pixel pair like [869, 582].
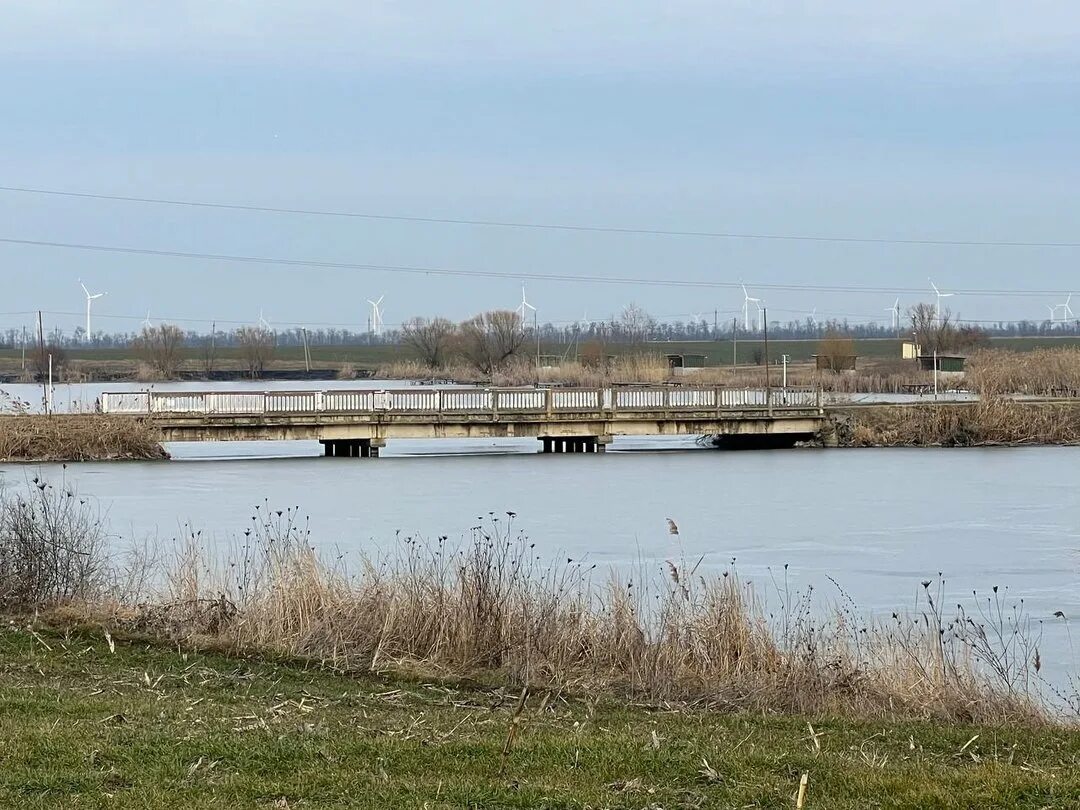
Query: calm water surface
[877, 521]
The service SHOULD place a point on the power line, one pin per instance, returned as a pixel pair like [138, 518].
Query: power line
[546, 226]
[506, 274]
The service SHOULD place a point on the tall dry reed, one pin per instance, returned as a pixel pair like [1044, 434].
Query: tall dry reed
[491, 606]
[1041, 372]
[78, 437]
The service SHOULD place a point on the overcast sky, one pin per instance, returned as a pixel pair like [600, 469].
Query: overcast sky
[831, 118]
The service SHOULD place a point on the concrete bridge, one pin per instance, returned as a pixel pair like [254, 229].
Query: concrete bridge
[566, 420]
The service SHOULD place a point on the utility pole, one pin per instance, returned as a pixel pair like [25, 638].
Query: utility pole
[716, 323]
[24, 349]
[765, 331]
[307, 354]
[41, 355]
[734, 344]
[784, 358]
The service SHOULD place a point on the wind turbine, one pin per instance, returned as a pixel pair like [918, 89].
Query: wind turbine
[524, 306]
[1066, 311]
[937, 307]
[146, 321]
[89, 300]
[376, 316]
[747, 300]
[263, 323]
[1053, 314]
[895, 311]
[760, 312]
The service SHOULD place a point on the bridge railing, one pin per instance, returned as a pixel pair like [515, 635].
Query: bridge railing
[631, 399]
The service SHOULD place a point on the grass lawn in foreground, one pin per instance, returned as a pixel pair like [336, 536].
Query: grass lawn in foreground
[87, 724]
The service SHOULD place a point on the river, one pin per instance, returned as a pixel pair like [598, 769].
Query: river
[878, 521]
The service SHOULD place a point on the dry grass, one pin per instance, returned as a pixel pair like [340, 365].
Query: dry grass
[77, 437]
[653, 369]
[493, 609]
[991, 421]
[1041, 372]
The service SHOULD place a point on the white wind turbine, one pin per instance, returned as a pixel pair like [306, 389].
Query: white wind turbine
[1053, 314]
[524, 306]
[376, 316]
[747, 300]
[89, 300]
[1066, 311]
[937, 306]
[146, 321]
[894, 310]
[263, 323]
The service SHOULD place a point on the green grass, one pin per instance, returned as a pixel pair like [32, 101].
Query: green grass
[147, 726]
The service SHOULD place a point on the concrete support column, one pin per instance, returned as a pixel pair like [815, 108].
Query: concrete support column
[574, 444]
[352, 448]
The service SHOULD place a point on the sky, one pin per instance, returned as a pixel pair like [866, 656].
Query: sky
[837, 118]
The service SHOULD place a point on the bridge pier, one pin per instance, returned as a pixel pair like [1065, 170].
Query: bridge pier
[574, 444]
[352, 448]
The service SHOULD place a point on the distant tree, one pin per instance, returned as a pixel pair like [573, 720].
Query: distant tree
[593, 354]
[39, 360]
[257, 345]
[934, 331]
[636, 323]
[432, 339]
[159, 347]
[836, 351]
[209, 351]
[491, 338]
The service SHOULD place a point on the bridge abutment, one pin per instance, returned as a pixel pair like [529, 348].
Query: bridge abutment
[352, 448]
[574, 444]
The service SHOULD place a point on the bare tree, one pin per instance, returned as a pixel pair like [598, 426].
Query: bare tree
[159, 346]
[256, 348]
[836, 352]
[39, 360]
[492, 338]
[933, 329]
[209, 351]
[636, 323]
[432, 339]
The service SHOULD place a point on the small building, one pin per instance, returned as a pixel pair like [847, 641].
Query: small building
[686, 360]
[909, 350]
[834, 362]
[953, 363]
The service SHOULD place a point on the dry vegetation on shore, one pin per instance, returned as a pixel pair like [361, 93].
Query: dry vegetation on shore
[653, 369]
[492, 609]
[77, 437]
[989, 422]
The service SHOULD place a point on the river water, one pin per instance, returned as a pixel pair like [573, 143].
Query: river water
[878, 521]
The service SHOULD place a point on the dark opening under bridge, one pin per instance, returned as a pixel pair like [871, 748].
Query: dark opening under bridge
[566, 420]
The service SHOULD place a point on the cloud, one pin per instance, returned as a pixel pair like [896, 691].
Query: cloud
[555, 35]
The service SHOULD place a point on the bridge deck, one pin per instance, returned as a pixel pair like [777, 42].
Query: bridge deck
[376, 415]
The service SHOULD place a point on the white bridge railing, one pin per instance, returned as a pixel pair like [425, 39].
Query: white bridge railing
[462, 401]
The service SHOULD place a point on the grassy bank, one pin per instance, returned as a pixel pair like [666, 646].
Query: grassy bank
[77, 437]
[989, 422]
[94, 721]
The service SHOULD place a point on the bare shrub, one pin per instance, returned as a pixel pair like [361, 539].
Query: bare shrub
[52, 547]
[257, 346]
[347, 372]
[432, 339]
[491, 339]
[39, 361]
[836, 352]
[160, 348]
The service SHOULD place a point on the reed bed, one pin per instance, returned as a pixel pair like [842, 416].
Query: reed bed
[653, 369]
[77, 437]
[490, 608]
[991, 421]
[1041, 372]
